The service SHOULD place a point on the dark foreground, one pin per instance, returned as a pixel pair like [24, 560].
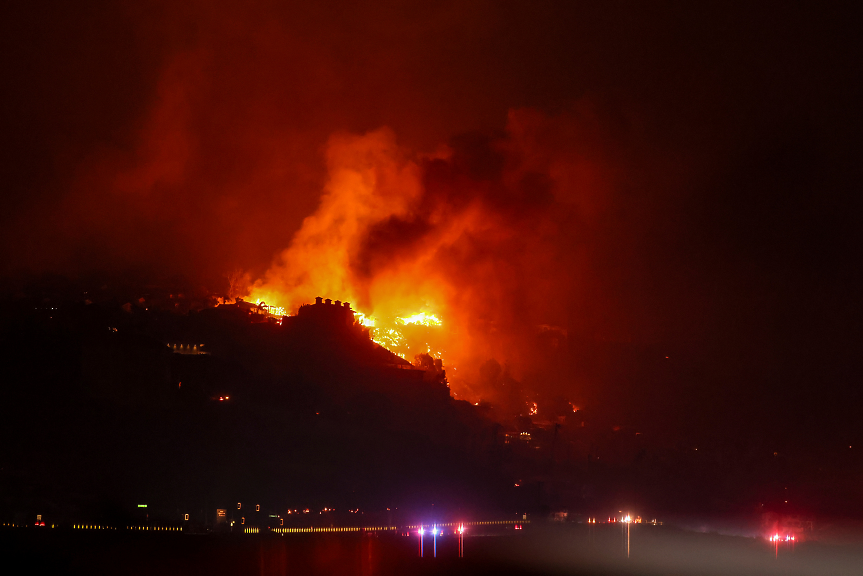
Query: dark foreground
[569, 549]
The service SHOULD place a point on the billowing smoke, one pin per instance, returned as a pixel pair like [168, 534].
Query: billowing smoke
[486, 233]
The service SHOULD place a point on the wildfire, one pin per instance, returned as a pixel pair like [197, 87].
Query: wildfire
[364, 320]
[421, 318]
[405, 336]
[418, 246]
[390, 338]
[274, 310]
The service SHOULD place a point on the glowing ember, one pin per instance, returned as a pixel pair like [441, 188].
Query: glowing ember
[421, 318]
[405, 336]
[389, 338]
[364, 320]
[273, 310]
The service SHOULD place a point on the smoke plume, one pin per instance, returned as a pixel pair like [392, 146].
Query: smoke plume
[488, 233]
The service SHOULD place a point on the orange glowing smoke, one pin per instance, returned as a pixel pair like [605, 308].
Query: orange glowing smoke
[459, 254]
[370, 181]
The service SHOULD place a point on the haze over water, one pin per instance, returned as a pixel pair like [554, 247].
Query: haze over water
[546, 549]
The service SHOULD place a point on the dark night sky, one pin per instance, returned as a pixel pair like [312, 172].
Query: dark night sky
[189, 140]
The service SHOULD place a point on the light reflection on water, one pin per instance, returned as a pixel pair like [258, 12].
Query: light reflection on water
[573, 549]
[549, 549]
[363, 555]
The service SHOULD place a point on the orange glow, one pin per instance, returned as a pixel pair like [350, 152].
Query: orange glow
[421, 318]
[430, 256]
[403, 301]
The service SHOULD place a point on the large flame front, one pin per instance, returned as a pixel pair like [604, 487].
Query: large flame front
[369, 183]
[416, 334]
[438, 254]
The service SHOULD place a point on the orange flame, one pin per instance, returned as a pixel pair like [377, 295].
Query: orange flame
[370, 181]
[436, 259]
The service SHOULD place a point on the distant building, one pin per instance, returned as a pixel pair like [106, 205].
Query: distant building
[338, 318]
[328, 312]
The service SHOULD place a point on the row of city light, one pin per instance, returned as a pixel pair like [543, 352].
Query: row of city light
[332, 529]
[625, 520]
[305, 510]
[489, 523]
[254, 530]
[100, 527]
[247, 530]
[142, 528]
[435, 529]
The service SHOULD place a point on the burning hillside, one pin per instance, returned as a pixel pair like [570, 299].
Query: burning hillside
[453, 254]
[407, 336]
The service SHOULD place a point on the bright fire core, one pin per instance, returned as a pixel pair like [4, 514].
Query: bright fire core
[406, 336]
